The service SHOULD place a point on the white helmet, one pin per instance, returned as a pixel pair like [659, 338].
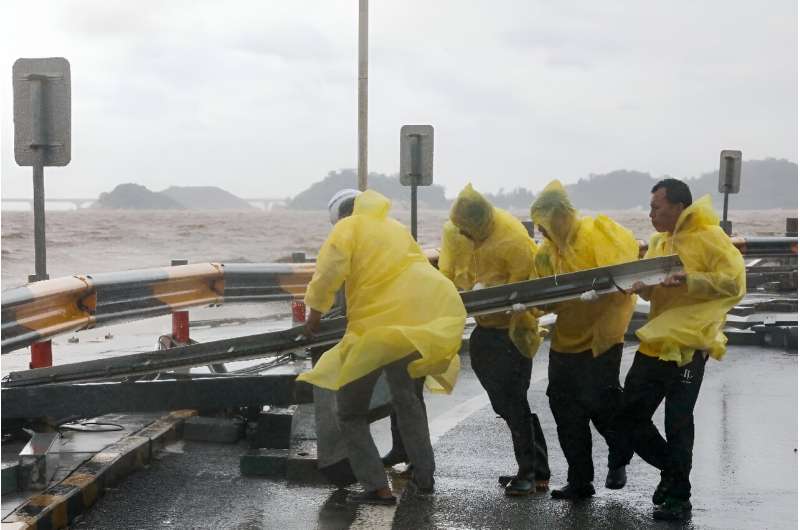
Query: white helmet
[336, 201]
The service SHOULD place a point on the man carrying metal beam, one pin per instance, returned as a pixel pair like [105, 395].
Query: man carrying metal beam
[502, 346]
[586, 345]
[687, 314]
[403, 319]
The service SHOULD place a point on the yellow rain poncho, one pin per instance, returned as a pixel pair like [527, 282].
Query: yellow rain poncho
[455, 257]
[502, 253]
[573, 244]
[691, 317]
[397, 302]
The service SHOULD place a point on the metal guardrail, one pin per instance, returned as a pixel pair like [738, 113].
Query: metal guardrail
[44, 309]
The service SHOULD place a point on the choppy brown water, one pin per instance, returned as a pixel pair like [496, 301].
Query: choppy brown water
[90, 241]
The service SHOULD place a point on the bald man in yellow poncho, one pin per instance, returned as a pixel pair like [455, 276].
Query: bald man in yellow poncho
[684, 328]
[403, 318]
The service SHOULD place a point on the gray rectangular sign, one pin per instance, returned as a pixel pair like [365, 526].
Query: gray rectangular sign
[416, 155]
[42, 109]
[730, 171]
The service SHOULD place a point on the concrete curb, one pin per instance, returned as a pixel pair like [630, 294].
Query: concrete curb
[58, 505]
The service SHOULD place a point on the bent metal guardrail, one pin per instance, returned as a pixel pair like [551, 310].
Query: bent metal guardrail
[44, 309]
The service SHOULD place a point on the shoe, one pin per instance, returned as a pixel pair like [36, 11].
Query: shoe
[503, 480]
[393, 457]
[371, 497]
[660, 495]
[573, 491]
[519, 487]
[541, 485]
[673, 510]
[616, 478]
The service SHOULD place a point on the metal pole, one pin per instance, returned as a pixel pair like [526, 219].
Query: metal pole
[416, 172]
[38, 143]
[414, 209]
[363, 36]
[725, 209]
[38, 218]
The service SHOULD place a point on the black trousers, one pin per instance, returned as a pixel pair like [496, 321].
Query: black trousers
[583, 388]
[505, 374]
[649, 381]
[397, 440]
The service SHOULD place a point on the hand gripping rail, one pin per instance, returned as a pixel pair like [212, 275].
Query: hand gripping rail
[532, 293]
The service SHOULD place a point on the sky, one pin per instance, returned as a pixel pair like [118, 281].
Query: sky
[260, 97]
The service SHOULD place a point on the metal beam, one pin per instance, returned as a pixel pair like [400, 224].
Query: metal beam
[90, 400]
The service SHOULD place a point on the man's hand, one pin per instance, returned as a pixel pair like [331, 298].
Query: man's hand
[312, 323]
[674, 280]
[637, 288]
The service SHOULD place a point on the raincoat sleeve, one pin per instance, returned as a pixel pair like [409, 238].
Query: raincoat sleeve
[519, 257]
[725, 280]
[333, 268]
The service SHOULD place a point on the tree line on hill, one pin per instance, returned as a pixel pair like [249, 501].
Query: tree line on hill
[765, 184]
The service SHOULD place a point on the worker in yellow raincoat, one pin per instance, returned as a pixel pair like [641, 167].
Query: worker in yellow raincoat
[454, 263]
[687, 314]
[586, 344]
[502, 345]
[403, 318]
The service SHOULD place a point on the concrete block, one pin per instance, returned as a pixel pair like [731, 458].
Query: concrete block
[218, 430]
[38, 461]
[301, 465]
[273, 428]
[264, 463]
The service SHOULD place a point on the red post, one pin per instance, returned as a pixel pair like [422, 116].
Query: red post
[41, 354]
[180, 319]
[298, 306]
[298, 311]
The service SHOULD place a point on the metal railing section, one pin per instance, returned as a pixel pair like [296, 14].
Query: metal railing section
[43, 309]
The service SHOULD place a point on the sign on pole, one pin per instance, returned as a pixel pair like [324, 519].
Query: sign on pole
[42, 107]
[42, 111]
[416, 162]
[730, 171]
[416, 155]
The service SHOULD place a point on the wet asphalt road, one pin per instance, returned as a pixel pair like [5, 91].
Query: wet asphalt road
[744, 474]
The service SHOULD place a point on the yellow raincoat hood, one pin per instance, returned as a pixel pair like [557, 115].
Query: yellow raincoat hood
[553, 211]
[578, 243]
[472, 214]
[501, 253]
[397, 303]
[691, 317]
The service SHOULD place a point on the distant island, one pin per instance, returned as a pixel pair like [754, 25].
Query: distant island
[137, 197]
[766, 184]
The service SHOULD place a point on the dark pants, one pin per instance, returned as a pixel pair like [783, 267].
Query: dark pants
[505, 374]
[649, 381]
[397, 440]
[583, 388]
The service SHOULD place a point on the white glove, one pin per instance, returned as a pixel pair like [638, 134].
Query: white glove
[478, 286]
[590, 296]
[518, 308]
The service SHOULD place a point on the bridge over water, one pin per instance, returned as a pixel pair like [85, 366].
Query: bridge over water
[264, 203]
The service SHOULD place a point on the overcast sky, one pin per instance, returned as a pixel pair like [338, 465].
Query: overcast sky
[259, 97]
